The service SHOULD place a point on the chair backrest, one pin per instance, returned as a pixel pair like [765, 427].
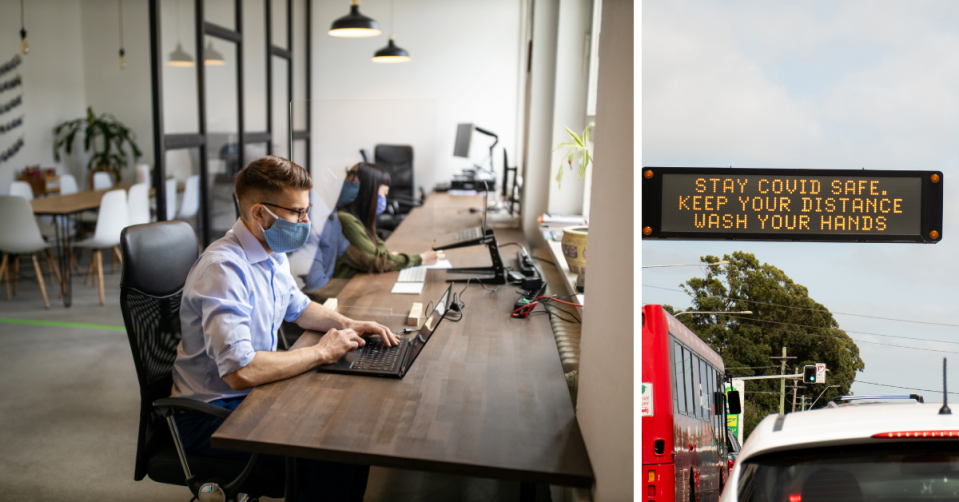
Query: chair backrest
[112, 218]
[21, 189]
[170, 199]
[138, 204]
[157, 257]
[143, 174]
[68, 184]
[398, 161]
[19, 232]
[191, 197]
[236, 206]
[102, 181]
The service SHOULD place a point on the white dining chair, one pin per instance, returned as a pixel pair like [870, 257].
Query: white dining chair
[170, 199]
[19, 234]
[68, 184]
[21, 189]
[111, 219]
[138, 204]
[143, 174]
[191, 198]
[102, 181]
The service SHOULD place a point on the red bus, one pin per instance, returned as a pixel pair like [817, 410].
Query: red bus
[684, 441]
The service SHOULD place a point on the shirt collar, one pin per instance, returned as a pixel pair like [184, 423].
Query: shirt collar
[250, 244]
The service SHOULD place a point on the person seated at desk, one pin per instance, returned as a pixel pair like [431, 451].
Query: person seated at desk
[367, 252]
[330, 244]
[234, 300]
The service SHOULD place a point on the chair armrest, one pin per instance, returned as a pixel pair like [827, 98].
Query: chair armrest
[168, 404]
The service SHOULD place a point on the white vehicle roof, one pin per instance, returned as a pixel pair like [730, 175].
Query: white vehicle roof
[852, 424]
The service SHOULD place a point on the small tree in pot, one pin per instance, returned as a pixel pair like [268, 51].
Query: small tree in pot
[105, 135]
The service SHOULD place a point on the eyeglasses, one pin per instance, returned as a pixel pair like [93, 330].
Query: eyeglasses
[300, 213]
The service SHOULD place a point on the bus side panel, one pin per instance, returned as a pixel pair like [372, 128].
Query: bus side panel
[657, 372]
[686, 431]
[663, 486]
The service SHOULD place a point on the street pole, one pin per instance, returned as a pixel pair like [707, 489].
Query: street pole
[795, 386]
[782, 385]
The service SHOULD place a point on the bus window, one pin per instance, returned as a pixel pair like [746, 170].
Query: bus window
[688, 375]
[710, 393]
[697, 389]
[705, 389]
[679, 387]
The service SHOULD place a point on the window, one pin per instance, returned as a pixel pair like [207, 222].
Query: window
[688, 376]
[679, 392]
[697, 390]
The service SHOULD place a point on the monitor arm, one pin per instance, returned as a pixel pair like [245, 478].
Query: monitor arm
[495, 142]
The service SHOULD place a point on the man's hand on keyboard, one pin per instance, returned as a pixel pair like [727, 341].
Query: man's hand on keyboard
[367, 328]
[337, 342]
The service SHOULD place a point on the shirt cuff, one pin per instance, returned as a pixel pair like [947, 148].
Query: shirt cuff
[234, 358]
[298, 303]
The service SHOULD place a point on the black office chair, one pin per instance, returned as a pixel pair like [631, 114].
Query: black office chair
[157, 258]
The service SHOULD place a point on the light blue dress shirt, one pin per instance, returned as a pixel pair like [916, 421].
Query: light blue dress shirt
[234, 301]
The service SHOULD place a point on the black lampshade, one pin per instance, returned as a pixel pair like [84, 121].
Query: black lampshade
[354, 25]
[391, 54]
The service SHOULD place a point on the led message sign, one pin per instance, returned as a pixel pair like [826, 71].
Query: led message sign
[790, 204]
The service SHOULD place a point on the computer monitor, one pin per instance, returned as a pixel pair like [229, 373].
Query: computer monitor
[464, 133]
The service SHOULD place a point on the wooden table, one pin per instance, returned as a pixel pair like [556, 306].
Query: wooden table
[487, 396]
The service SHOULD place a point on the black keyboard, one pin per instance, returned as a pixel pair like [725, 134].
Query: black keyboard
[378, 357]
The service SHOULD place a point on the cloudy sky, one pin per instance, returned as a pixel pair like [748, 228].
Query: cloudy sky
[813, 85]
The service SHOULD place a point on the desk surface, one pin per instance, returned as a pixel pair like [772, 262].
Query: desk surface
[487, 396]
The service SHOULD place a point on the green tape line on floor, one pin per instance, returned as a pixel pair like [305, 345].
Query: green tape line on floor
[64, 324]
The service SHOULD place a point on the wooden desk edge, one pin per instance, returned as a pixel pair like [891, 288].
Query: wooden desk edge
[583, 480]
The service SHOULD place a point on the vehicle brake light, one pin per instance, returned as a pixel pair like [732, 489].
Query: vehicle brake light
[732, 463]
[651, 491]
[918, 434]
[795, 497]
[651, 476]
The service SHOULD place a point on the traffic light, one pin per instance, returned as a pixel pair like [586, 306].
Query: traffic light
[809, 373]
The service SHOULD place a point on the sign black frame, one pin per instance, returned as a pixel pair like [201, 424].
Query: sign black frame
[930, 193]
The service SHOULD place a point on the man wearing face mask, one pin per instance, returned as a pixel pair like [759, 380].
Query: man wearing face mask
[234, 300]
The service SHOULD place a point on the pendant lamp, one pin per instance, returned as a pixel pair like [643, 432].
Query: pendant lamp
[123, 54]
[24, 47]
[391, 53]
[212, 56]
[354, 24]
[179, 57]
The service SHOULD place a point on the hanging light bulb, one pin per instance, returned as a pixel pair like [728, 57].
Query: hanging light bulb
[24, 48]
[391, 53]
[179, 57]
[354, 24]
[212, 56]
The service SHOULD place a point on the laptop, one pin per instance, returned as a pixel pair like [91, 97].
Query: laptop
[376, 359]
[470, 236]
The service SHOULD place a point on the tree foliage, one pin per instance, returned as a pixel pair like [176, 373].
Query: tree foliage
[783, 315]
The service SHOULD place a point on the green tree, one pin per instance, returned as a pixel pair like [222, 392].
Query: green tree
[783, 316]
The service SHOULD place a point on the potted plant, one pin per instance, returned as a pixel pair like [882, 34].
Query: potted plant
[106, 136]
[574, 238]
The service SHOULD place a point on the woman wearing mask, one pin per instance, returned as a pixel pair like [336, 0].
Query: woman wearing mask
[367, 252]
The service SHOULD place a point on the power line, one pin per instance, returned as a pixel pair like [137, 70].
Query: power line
[847, 331]
[809, 309]
[899, 387]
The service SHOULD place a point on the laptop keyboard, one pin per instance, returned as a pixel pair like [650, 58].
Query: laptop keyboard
[468, 234]
[378, 357]
[414, 274]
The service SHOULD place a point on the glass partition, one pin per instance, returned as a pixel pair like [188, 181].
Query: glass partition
[254, 66]
[222, 143]
[281, 108]
[221, 13]
[278, 24]
[180, 104]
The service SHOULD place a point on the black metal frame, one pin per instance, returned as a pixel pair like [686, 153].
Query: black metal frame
[163, 142]
[931, 194]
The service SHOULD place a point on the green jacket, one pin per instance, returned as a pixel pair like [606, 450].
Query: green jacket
[364, 255]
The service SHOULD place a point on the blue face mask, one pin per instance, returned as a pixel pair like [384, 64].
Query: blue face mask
[380, 203]
[348, 193]
[285, 236]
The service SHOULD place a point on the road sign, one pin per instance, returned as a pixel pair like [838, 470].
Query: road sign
[792, 204]
[820, 373]
[646, 399]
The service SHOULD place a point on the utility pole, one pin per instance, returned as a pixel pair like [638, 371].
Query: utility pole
[794, 387]
[782, 386]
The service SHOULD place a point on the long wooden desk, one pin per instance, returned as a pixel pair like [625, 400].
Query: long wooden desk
[486, 397]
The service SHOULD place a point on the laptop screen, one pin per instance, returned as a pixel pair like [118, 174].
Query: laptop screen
[429, 327]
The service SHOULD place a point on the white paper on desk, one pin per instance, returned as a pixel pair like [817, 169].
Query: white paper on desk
[439, 264]
[407, 288]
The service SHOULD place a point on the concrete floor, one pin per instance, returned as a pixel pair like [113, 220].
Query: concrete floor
[69, 404]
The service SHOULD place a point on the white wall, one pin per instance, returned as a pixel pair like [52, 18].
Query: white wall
[605, 399]
[53, 81]
[464, 60]
[126, 94]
